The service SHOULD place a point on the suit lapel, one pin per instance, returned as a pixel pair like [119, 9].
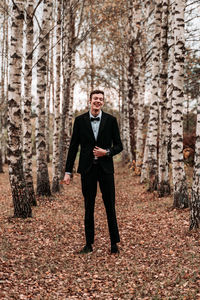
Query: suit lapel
[88, 124]
[102, 124]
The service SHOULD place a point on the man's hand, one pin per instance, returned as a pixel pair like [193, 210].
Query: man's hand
[98, 152]
[67, 179]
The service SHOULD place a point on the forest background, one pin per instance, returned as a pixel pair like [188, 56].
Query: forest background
[143, 54]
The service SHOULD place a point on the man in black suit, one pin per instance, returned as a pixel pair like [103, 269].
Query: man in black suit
[97, 133]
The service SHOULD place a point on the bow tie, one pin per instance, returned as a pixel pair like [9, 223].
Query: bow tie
[94, 119]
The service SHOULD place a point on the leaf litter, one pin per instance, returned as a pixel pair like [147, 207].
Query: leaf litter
[159, 257]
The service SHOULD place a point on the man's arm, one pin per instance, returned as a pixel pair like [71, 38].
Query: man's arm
[117, 146]
[67, 178]
[73, 149]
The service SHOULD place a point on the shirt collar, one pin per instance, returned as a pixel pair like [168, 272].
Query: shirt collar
[99, 115]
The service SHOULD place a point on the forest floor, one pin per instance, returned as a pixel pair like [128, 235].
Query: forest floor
[159, 257]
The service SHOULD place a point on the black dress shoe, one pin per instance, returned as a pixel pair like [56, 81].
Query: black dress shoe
[86, 249]
[114, 249]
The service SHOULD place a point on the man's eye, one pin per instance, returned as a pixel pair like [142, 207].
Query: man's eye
[98, 99]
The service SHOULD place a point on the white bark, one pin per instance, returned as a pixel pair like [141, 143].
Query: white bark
[68, 54]
[178, 172]
[27, 127]
[55, 160]
[43, 184]
[22, 206]
[163, 165]
[141, 98]
[195, 195]
[144, 170]
[153, 117]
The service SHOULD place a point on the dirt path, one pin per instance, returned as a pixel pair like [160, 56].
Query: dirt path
[159, 258]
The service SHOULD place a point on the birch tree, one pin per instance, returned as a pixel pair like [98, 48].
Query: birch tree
[68, 50]
[5, 80]
[22, 206]
[178, 172]
[1, 159]
[27, 127]
[195, 195]
[142, 47]
[131, 54]
[153, 115]
[163, 165]
[2, 85]
[43, 184]
[55, 160]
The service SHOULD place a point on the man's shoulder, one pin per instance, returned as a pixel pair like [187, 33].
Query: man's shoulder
[82, 115]
[108, 115]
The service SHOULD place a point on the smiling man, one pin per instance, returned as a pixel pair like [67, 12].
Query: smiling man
[97, 133]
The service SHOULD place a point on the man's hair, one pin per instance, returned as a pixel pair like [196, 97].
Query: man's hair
[96, 92]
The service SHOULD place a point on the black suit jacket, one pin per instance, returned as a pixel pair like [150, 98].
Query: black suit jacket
[108, 138]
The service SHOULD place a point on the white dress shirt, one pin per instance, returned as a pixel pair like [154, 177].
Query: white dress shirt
[95, 124]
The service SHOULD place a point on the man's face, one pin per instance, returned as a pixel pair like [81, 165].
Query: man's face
[97, 102]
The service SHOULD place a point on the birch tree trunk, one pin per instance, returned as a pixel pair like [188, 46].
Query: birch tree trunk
[69, 32]
[195, 195]
[133, 70]
[48, 94]
[153, 117]
[43, 184]
[170, 80]
[143, 153]
[47, 110]
[125, 125]
[178, 172]
[1, 122]
[141, 96]
[140, 117]
[1, 158]
[144, 171]
[22, 206]
[163, 166]
[131, 54]
[6, 83]
[55, 160]
[27, 127]
[137, 17]
[2, 90]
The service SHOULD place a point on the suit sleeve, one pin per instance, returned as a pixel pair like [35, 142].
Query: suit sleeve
[73, 148]
[117, 146]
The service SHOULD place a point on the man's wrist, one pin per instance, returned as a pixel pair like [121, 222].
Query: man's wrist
[107, 152]
[68, 173]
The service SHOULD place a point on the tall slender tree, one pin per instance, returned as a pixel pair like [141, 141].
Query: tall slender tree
[1, 158]
[153, 116]
[68, 50]
[27, 126]
[163, 164]
[2, 86]
[22, 206]
[43, 184]
[178, 172]
[131, 100]
[195, 195]
[55, 160]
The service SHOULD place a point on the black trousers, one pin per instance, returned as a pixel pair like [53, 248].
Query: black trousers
[89, 190]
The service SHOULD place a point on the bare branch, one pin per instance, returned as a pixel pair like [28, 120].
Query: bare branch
[81, 18]
[37, 6]
[196, 1]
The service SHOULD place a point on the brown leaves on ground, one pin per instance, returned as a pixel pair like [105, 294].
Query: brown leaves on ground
[159, 257]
